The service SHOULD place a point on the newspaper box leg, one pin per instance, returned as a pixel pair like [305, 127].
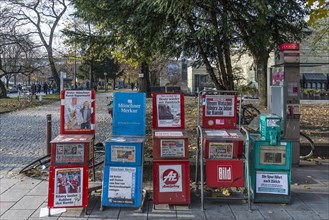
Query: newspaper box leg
[93, 186]
[144, 194]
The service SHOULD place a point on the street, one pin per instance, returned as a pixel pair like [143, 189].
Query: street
[23, 133]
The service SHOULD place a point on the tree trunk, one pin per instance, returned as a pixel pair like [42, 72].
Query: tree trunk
[54, 70]
[262, 78]
[3, 91]
[145, 85]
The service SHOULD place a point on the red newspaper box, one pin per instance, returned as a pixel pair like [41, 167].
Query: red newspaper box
[171, 182]
[224, 173]
[68, 187]
[168, 111]
[72, 149]
[223, 144]
[77, 110]
[219, 111]
[170, 144]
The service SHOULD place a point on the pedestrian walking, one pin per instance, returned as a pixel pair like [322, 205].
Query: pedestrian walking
[45, 88]
[33, 88]
[39, 88]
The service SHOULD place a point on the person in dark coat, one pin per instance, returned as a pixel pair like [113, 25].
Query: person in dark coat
[33, 88]
[39, 88]
[86, 115]
[45, 88]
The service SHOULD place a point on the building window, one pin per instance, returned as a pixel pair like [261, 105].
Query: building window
[309, 85]
[314, 85]
[319, 85]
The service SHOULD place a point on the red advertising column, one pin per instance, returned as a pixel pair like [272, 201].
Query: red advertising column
[72, 150]
[171, 166]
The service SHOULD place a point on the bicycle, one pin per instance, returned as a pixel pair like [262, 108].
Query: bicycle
[24, 95]
[41, 165]
[249, 112]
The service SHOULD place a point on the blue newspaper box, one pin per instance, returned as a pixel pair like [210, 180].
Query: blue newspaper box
[124, 150]
[129, 113]
[122, 186]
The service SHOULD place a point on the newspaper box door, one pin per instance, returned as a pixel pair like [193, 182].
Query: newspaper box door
[68, 187]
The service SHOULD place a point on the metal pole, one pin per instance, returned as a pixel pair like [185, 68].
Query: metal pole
[48, 134]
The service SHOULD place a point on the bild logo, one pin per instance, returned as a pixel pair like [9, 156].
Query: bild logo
[224, 173]
[170, 177]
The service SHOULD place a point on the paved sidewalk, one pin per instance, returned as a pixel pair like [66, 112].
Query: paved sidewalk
[22, 198]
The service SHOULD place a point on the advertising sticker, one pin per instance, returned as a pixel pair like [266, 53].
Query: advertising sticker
[170, 178]
[168, 134]
[224, 173]
[69, 153]
[223, 106]
[272, 183]
[220, 150]
[69, 185]
[123, 153]
[172, 148]
[169, 110]
[121, 188]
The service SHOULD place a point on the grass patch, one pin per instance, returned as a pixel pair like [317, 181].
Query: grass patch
[13, 104]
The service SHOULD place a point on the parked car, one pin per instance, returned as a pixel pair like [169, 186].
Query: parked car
[12, 90]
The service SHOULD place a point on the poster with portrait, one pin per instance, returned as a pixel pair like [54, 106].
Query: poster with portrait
[68, 187]
[69, 153]
[77, 112]
[169, 110]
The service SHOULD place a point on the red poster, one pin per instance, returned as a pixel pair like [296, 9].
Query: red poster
[68, 187]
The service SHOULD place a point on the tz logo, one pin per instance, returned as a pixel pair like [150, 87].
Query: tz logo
[170, 176]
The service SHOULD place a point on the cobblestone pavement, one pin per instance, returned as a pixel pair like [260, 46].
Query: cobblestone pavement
[23, 133]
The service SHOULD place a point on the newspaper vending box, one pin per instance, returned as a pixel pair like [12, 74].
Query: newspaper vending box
[270, 170]
[68, 173]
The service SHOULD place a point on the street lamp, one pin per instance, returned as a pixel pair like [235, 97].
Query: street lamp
[105, 74]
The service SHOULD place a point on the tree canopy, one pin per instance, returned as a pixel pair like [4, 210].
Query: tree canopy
[209, 32]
